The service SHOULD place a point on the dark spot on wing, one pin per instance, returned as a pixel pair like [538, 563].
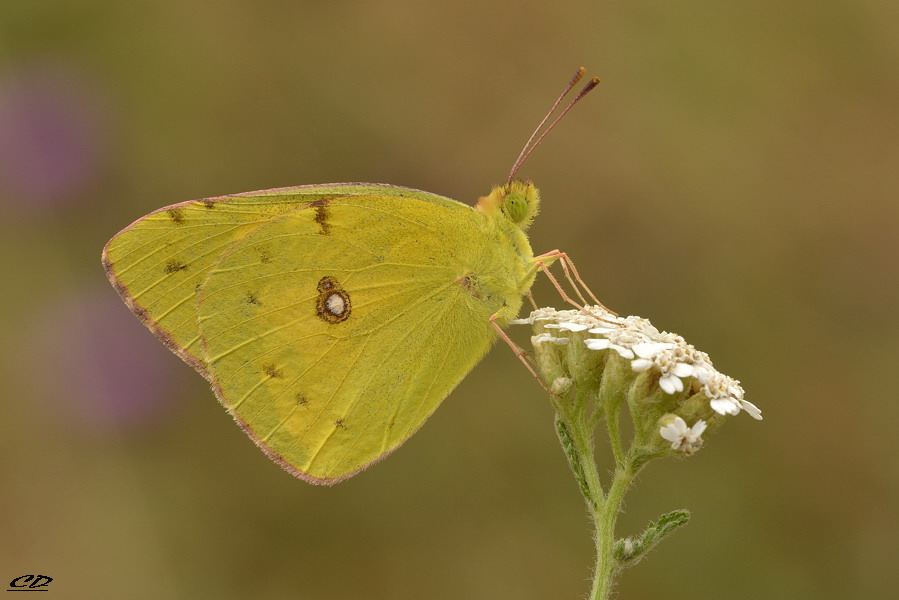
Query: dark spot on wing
[333, 303]
[470, 284]
[339, 424]
[209, 204]
[272, 371]
[173, 266]
[176, 215]
[322, 214]
[265, 256]
[301, 399]
[252, 299]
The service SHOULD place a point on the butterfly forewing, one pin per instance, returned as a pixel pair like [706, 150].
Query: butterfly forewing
[159, 262]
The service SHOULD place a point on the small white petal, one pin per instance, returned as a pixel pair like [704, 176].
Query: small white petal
[641, 364]
[725, 406]
[573, 326]
[675, 431]
[622, 351]
[752, 409]
[650, 349]
[683, 370]
[602, 330]
[597, 343]
[698, 427]
[671, 383]
[701, 373]
[646, 349]
[736, 391]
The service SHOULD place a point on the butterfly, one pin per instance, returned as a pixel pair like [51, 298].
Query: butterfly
[332, 320]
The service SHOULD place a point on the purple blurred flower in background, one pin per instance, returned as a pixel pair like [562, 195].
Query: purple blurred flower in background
[98, 366]
[50, 137]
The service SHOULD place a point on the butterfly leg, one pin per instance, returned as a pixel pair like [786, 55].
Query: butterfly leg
[542, 263]
[541, 266]
[521, 354]
[560, 256]
[568, 268]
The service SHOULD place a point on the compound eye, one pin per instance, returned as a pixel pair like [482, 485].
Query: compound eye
[516, 206]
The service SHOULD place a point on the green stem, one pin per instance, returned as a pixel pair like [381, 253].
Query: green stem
[583, 441]
[604, 508]
[604, 525]
[615, 437]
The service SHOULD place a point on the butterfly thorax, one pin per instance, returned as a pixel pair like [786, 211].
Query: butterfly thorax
[509, 210]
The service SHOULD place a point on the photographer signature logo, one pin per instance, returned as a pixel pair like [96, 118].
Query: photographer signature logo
[29, 583]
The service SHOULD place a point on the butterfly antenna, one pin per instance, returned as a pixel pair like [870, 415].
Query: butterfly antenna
[587, 89]
[518, 161]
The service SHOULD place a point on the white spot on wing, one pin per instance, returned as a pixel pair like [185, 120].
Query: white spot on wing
[336, 305]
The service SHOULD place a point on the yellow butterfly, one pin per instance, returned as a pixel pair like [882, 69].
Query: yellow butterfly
[332, 320]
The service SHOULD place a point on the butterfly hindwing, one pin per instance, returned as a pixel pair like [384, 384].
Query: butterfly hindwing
[332, 332]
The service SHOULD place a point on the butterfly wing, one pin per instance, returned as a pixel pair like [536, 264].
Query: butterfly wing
[159, 262]
[334, 331]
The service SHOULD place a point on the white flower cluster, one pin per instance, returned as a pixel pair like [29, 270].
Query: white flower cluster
[637, 340]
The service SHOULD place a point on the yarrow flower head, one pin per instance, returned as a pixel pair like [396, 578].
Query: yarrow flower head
[665, 381]
[598, 366]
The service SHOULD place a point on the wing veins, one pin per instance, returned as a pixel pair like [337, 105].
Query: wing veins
[399, 405]
[425, 316]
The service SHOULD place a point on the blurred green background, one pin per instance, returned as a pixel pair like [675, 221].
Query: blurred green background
[734, 178]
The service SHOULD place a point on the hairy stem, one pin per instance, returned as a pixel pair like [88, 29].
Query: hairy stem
[604, 532]
[603, 507]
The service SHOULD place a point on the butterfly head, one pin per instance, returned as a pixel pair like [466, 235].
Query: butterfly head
[518, 201]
